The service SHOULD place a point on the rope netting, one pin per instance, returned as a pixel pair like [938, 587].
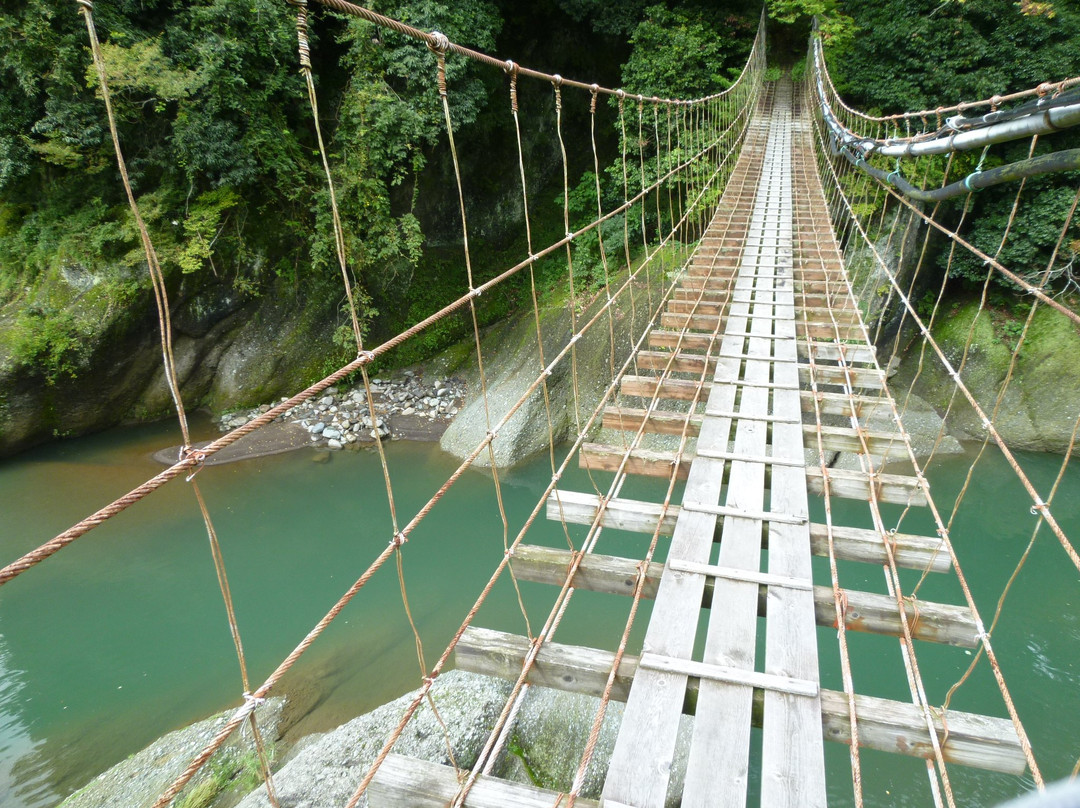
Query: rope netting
[676, 161]
[901, 193]
[685, 151]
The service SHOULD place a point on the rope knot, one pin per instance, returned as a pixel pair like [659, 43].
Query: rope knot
[493, 433]
[1038, 507]
[595, 90]
[198, 455]
[439, 43]
[429, 681]
[557, 80]
[367, 356]
[1044, 88]
[254, 701]
[399, 539]
[86, 4]
[511, 67]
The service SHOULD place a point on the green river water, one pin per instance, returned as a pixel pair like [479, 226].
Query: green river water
[122, 636]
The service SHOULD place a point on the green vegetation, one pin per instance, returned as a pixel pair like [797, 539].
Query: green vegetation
[910, 55]
[215, 123]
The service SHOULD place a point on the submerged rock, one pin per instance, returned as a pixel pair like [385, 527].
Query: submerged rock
[138, 781]
[327, 769]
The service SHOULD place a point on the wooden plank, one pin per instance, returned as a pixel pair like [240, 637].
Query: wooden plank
[891, 726]
[894, 726]
[728, 674]
[768, 460]
[833, 438]
[866, 612]
[866, 378]
[718, 763]
[850, 543]
[894, 488]
[763, 578]
[816, 328]
[842, 315]
[738, 512]
[649, 463]
[679, 363]
[644, 749]
[683, 390]
[413, 783]
[853, 352]
[860, 544]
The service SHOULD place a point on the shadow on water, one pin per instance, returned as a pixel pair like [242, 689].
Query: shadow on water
[122, 636]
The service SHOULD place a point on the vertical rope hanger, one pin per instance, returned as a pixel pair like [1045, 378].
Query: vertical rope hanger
[1025, 744]
[157, 278]
[165, 326]
[399, 537]
[512, 71]
[593, 93]
[439, 47]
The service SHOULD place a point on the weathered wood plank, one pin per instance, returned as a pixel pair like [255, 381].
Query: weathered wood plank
[641, 760]
[683, 389]
[412, 783]
[815, 328]
[850, 543]
[893, 488]
[833, 438]
[718, 763]
[821, 349]
[842, 314]
[793, 756]
[646, 462]
[891, 726]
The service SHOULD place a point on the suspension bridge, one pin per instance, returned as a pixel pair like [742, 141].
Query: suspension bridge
[756, 368]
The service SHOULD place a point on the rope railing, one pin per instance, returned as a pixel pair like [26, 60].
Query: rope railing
[703, 139]
[878, 217]
[696, 143]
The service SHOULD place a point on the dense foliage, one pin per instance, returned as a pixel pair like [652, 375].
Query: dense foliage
[910, 55]
[215, 122]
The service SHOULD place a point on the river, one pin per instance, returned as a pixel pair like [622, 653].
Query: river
[122, 636]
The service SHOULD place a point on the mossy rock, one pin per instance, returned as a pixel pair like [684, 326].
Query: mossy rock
[1039, 406]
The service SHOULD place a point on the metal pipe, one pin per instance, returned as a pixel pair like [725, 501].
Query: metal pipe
[1038, 123]
[1068, 160]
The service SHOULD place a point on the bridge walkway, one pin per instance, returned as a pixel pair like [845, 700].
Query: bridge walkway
[762, 361]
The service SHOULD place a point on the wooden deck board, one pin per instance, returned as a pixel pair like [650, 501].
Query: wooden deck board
[974, 740]
[850, 543]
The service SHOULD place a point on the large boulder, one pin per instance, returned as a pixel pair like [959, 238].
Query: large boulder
[138, 781]
[1039, 408]
[81, 351]
[512, 363]
[327, 769]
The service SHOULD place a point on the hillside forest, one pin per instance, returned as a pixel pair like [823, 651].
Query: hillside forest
[217, 129]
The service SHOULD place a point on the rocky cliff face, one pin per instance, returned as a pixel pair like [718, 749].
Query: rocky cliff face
[81, 351]
[1041, 403]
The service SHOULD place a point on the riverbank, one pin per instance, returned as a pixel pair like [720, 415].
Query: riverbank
[415, 404]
